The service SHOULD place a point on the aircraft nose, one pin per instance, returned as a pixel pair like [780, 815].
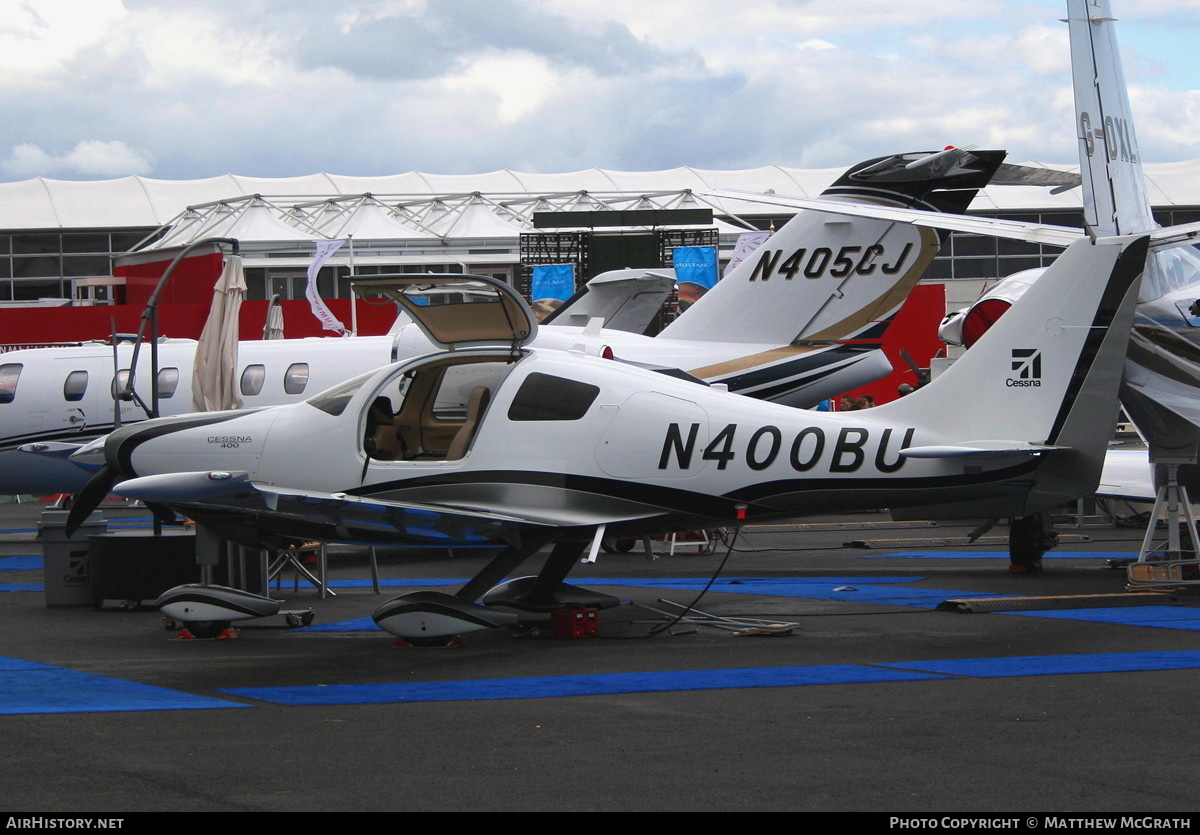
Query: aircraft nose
[90, 455]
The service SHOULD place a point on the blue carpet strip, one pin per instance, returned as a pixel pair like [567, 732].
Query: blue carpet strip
[547, 687]
[22, 563]
[1155, 617]
[1054, 665]
[30, 687]
[999, 555]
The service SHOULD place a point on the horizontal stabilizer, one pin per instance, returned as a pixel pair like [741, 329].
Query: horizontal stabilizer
[978, 448]
[1010, 174]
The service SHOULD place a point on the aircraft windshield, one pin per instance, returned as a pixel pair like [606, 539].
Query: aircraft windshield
[333, 401]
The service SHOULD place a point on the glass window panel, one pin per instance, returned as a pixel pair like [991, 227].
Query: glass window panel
[168, 382]
[75, 386]
[543, 397]
[28, 290]
[295, 379]
[85, 242]
[973, 245]
[1008, 266]
[34, 243]
[82, 265]
[38, 266]
[253, 378]
[256, 283]
[940, 268]
[10, 374]
[975, 268]
[117, 388]
[1010, 247]
[124, 241]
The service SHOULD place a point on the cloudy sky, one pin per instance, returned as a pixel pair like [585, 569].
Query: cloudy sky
[181, 89]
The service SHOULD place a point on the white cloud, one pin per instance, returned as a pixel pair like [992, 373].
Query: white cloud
[91, 159]
[197, 88]
[41, 37]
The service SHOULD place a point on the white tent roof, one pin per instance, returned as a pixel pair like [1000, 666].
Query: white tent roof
[141, 201]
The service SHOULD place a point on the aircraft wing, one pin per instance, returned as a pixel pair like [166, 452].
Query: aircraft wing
[1128, 475]
[1018, 230]
[303, 514]
[1186, 234]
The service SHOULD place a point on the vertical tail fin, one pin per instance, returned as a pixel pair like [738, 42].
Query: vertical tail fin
[1047, 372]
[1115, 201]
[829, 278]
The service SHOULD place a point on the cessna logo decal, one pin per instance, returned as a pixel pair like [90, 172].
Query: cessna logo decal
[844, 454]
[230, 441]
[814, 264]
[1027, 365]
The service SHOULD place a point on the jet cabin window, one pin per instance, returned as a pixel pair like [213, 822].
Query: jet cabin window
[295, 379]
[168, 382]
[543, 397]
[75, 386]
[119, 382]
[10, 373]
[253, 377]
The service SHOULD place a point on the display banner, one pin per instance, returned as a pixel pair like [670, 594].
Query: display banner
[552, 281]
[747, 242]
[325, 249]
[696, 264]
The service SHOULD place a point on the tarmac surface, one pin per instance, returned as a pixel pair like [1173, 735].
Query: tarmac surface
[877, 701]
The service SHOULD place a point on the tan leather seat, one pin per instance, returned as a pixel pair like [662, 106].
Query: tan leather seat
[476, 405]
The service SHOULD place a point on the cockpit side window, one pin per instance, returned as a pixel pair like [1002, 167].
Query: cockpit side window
[10, 373]
[545, 397]
[75, 386]
[435, 411]
[253, 377]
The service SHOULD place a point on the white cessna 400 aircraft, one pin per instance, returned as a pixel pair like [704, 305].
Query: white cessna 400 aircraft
[558, 446]
[799, 321]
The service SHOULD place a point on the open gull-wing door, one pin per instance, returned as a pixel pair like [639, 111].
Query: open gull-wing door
[458, 310]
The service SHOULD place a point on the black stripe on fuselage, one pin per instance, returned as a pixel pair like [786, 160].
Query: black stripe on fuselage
[688, 502]
[815, 362]
[119, 447]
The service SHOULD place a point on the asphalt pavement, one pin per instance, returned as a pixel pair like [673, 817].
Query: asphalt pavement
[875, 699]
